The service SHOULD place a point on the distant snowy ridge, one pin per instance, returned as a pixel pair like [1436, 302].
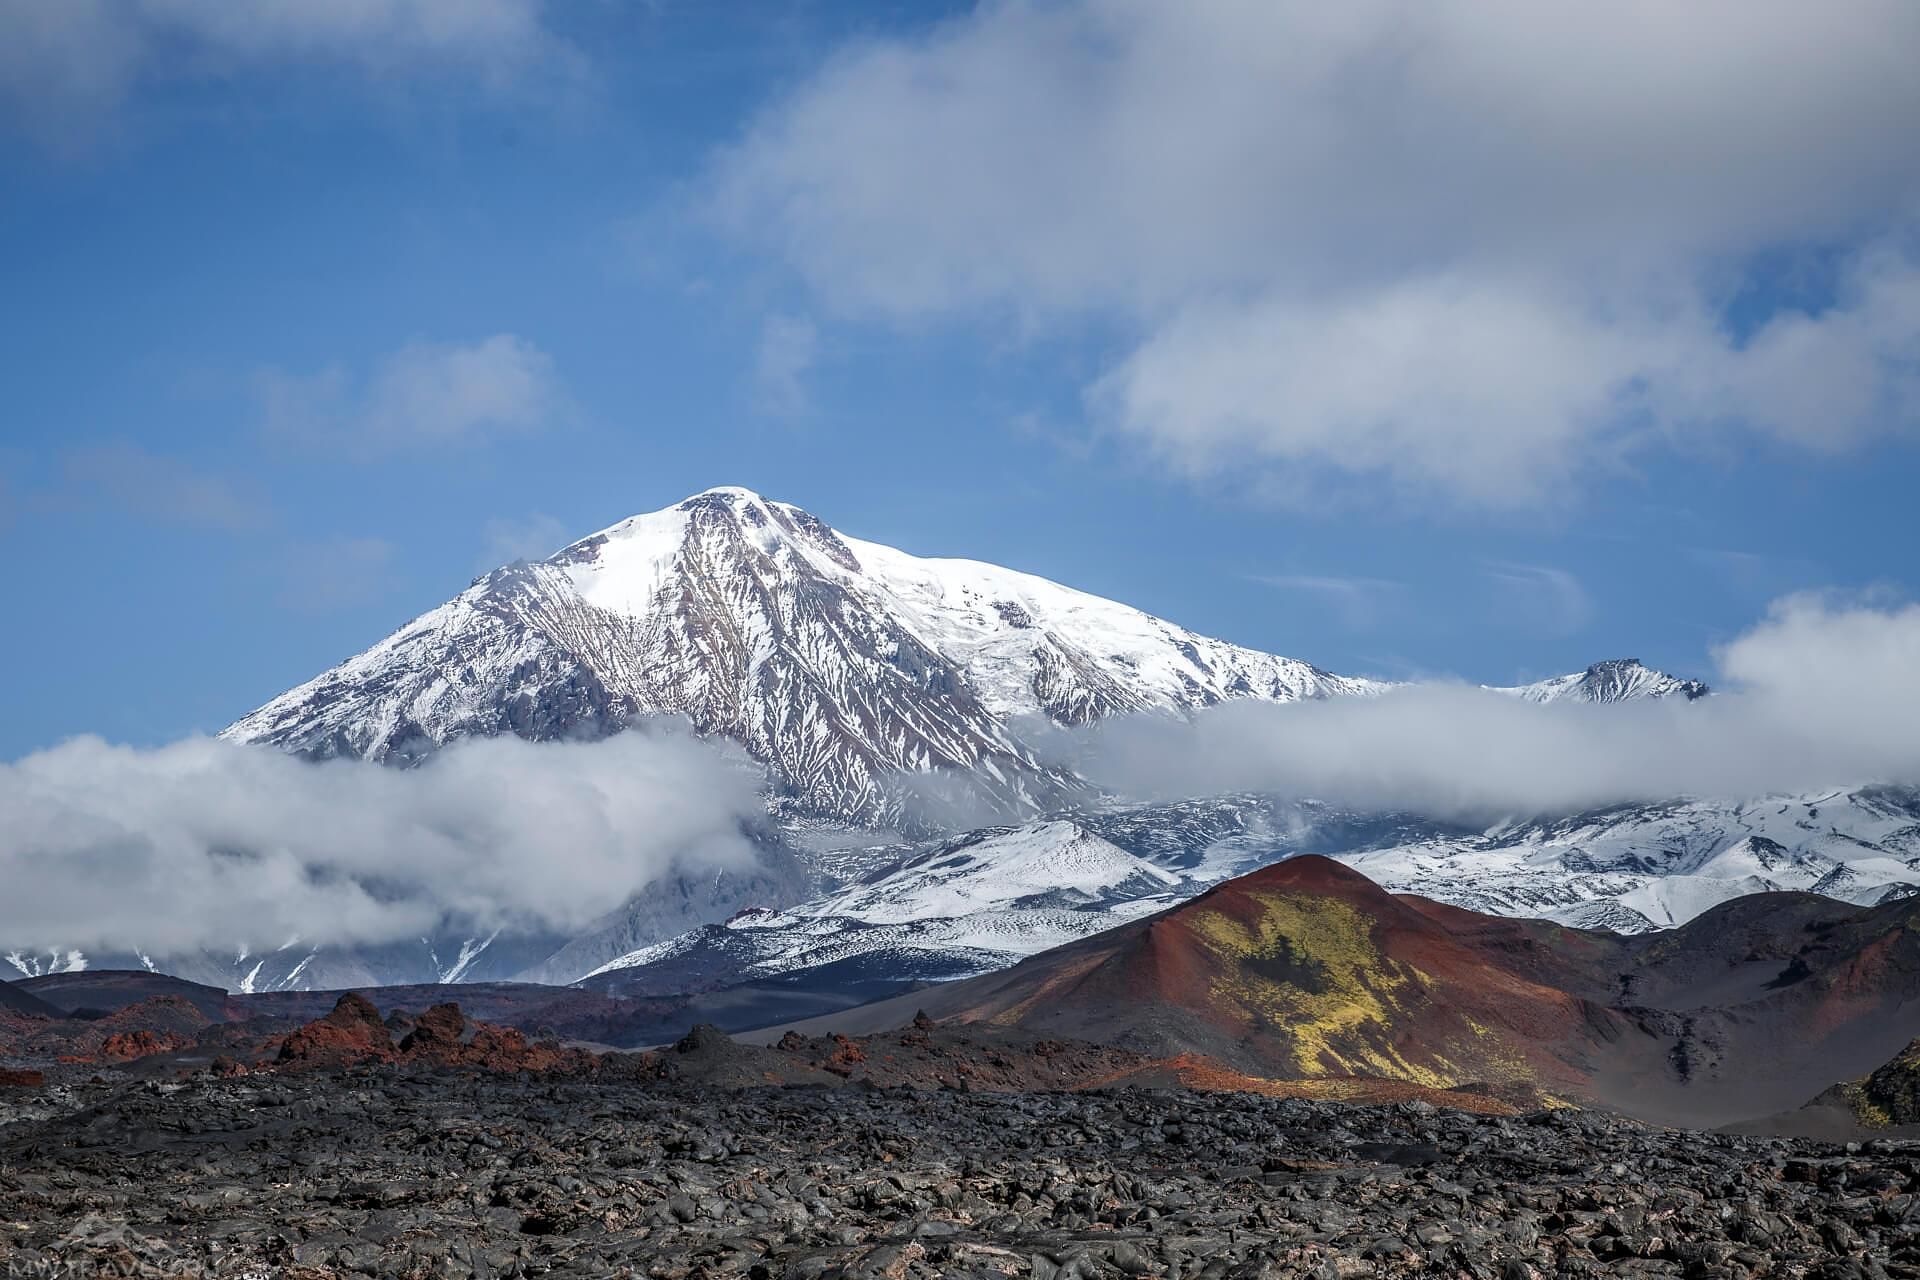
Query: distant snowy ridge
[1647, 866]
[989, 899]
[1616, 680]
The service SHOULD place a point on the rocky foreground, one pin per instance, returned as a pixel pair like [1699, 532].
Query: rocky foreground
[398, 1171]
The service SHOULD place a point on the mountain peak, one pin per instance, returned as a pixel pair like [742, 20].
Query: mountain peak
[1308, 873]
[1610, 680]
[729, 497]
[846, 667]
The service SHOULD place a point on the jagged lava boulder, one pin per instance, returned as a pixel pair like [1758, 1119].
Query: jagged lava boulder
[353, 1033]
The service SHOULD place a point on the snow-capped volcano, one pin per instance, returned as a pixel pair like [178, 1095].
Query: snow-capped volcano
[876, 686]
[842, 665]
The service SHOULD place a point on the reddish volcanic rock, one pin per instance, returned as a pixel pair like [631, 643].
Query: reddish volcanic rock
[21, 1079]
[846, 1056]
[918, 1033]
[438, 1032]
[505, 1050]
[352, 1033]
[125, 1046]
[158, 1013]
[161, 1024]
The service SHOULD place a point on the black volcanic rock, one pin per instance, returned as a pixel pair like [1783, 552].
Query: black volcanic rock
[399, 1173]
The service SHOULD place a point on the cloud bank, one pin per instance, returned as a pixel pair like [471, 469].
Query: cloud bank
[205, 843]
[1823, 695]
[1478, 252]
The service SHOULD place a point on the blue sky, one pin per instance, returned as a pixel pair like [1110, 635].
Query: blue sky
[306, 327]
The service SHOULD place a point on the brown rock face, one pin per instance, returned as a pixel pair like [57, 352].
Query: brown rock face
[21, 1080]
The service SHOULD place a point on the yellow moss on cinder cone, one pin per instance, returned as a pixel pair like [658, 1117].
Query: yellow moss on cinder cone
[1337, 1023]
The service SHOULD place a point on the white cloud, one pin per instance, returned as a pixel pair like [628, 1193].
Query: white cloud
[533, 537]
[789, 345]
[65, 65]
[1473, 250]
[1822, 693]
[132, 479]
[426, 395]
[207, 843]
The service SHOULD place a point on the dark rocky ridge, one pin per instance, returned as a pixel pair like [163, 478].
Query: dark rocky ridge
[15, 999]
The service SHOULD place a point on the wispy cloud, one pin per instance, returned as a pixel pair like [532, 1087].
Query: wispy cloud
[1541, 596]
[1755, 573]
[530, 537]
[788, 348]
[128, 478]
[66, 66]
[337, 573]
[1358, 601]
[427, 394]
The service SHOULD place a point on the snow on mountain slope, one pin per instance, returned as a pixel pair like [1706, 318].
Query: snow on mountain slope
[1034, 648]
[1053, 864]
[1665, 863]
[844, 666]
[959, 908]
[1615, 680]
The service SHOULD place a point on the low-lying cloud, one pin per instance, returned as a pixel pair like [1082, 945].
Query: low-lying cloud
[1820, 695]
[204, 843]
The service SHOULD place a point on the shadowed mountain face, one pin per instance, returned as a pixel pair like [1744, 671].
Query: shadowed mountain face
[110, 990]
[14, 1000]
[1308, 970]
